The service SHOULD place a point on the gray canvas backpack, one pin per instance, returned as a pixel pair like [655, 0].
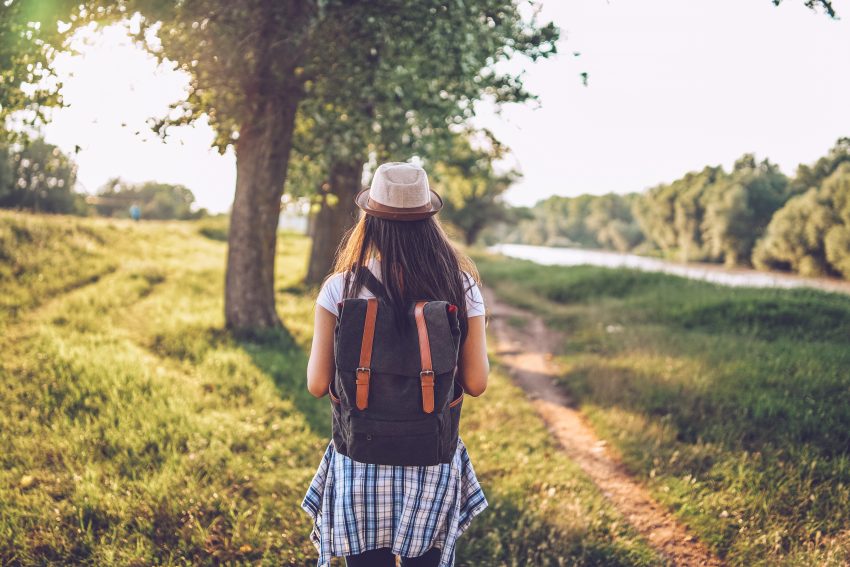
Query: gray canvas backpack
[395, 397]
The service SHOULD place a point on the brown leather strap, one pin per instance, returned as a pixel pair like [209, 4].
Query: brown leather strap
[364, 373]
[426, 377]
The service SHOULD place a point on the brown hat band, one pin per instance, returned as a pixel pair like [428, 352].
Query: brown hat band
[388, 209]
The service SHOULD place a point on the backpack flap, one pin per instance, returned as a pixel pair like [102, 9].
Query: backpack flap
[394, 352]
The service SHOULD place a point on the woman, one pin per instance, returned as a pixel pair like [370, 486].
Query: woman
[370, 512]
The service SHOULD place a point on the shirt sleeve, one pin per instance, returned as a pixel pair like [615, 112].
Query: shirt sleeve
[331, 294]
[474, 299]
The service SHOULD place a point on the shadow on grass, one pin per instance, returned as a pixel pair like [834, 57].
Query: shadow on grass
[275, 352]
[738, 408]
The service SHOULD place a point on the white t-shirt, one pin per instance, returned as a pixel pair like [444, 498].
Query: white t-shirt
[331, 293]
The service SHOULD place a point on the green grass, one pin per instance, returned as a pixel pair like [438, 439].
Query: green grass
[136, 431]
[732, 404]
[215, 228]
[542, 509]
[41, 257]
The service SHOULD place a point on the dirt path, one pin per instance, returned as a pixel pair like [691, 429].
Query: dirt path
[526, 352]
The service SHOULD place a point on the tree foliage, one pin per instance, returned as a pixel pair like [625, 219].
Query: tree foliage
[814, 175]
[238, 56]
[471, 185]
[589, 221]
[38, 177]
[406, 74]
[612, 224]
[392, 75]
[29, 40]
[161, 201]
[671, 215]
[711, 215]
[825, 5]
[739, 207]
[811, 233]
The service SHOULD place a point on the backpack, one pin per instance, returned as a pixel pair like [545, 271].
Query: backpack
[394, 395]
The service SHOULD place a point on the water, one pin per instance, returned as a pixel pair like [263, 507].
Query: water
[707, 272]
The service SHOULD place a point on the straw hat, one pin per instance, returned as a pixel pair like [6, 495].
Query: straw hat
[399, 191]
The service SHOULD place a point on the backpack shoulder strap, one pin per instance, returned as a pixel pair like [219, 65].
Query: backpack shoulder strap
[373, 284]
[364, 371]
[426, 376]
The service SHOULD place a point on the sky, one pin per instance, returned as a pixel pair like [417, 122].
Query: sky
[673, 86]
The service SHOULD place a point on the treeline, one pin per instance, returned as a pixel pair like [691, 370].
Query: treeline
[37, 176]
[586, 221]
[753, 215]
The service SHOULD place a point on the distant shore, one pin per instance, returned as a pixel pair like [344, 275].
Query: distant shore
[715, 273]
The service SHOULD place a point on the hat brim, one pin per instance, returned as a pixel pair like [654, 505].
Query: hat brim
[396, 213]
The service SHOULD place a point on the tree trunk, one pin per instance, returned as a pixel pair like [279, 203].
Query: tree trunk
[337, 214]
[262, 158]
[471, 233]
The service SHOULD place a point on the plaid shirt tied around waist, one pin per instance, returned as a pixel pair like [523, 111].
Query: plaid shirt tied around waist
[358, 507]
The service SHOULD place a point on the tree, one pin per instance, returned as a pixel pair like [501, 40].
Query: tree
[470, 186]
[611, 222]
[810, 234]
[809, 176]
[739, 207]
[245, 61]
[689, 211]
[38, 177]
[564, 219]
[406, 76]
[671, 215]
[252, 63]
[655, 212]
[837, 246]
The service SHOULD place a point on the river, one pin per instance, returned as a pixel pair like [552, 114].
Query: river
[699, 271]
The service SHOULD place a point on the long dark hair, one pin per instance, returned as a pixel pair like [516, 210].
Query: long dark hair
[417, 259]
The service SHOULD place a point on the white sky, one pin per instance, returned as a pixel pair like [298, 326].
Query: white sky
[674, 85]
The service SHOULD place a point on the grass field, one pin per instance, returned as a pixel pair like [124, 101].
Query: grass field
[732, 404]
[136, 431]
